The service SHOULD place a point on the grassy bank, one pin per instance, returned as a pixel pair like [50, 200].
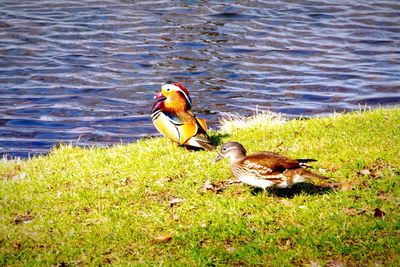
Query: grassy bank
[154, 204]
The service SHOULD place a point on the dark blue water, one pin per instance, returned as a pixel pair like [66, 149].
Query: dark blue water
[85, 71]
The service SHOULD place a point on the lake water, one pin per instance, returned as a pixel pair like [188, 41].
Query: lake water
[86, 71]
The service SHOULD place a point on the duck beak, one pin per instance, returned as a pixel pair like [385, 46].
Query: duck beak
[158, 95]
[218, 158]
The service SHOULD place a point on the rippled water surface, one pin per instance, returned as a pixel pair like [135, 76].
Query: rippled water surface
[86, 71]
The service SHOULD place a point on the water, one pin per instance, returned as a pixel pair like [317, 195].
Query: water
[86, 71]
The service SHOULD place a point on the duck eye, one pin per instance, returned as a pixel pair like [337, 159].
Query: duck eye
[224, 149]
[168, 90]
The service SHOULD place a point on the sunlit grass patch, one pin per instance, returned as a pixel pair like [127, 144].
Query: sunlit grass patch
[231, 121]
[150, 203]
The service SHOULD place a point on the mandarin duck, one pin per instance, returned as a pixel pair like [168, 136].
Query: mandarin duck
[173, 118]
[265, 169]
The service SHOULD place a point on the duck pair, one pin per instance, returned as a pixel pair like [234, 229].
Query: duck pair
[173, 118]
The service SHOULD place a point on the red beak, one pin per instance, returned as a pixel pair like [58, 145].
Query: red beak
[158, 95]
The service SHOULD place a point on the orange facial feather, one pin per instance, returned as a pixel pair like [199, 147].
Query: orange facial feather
[175, 103]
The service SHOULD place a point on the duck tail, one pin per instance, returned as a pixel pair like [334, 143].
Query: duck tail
[201, 141]
[304, 162]
[206, 146]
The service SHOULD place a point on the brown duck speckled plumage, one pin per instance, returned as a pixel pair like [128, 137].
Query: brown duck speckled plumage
[266, 169]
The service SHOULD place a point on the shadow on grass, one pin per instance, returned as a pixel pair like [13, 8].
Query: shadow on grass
[297, 189]
[216, 138]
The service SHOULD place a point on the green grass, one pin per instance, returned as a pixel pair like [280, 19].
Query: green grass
[98, 206]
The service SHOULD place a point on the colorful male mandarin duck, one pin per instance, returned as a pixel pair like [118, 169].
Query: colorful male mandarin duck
[172, 117]
[265, 169]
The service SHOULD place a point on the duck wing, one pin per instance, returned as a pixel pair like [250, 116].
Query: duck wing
[272, 161]
[167, 124]
[183, 128]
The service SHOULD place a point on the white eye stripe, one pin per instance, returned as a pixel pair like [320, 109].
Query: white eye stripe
[169, 86]
[186, 96]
